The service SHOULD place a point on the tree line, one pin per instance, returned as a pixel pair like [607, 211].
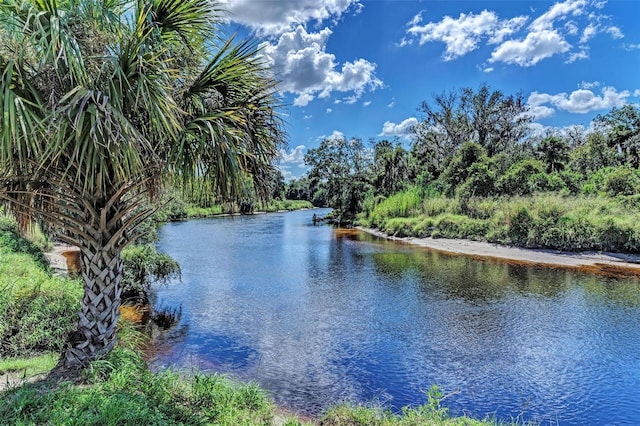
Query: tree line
[475, 143]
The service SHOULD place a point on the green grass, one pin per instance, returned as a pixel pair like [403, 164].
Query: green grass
[120, 390]
[29, 366]
[37, 310]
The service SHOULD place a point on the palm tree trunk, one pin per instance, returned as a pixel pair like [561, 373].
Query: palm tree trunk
[96, 333]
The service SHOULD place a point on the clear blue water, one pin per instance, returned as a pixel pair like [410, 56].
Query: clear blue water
[319, 316]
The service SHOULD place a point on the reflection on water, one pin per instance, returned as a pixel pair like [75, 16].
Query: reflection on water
[319, 316]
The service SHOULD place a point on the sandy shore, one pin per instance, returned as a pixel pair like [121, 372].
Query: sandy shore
[598, 262]
[63, 259]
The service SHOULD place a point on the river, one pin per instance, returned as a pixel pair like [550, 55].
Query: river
[319, 316]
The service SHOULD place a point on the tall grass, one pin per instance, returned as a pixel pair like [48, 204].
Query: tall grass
[549, 220]
[120, 390]
[37, 310]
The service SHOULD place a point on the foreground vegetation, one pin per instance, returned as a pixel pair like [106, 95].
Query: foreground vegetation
[120, 390]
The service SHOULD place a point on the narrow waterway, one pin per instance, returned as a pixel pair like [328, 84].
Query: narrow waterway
[319, 316]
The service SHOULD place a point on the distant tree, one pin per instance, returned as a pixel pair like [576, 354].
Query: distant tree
[459, 167]
[622, 126]
[341, 167]
[494, 121]
[594, 154]
[554, 152]
[480, 181]
[391, 168]
[517, 179]
[497, 121]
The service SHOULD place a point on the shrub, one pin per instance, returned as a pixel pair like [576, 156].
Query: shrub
[144, 264]
[621, 181]
[516, 179]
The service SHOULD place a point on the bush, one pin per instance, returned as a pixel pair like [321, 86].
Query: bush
[621, 181]
[516, 180]
[480, 182]
[144, 264]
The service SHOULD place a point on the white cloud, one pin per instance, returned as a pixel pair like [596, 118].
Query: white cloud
[630, 46]
[615, 32]
[335, 135]
[589, 84]
[366, 103]
[571, 28]
[329, 110]
[588, 33]
[463, 34]
[277, 17]
[535, 47]
[579, 101]
[488, 69]
[306, 69]
[564, 28]
[403, 129]
[296, 156]
[583, 53]
[392, 103]
[636, 92]
[556, 12]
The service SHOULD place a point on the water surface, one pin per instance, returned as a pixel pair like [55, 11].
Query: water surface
[318, 316]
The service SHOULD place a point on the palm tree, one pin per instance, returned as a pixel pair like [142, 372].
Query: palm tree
[102, 103]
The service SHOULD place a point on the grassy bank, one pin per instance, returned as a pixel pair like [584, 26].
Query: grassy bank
[120, 390]
[193, 211]
[551, 220]
[37, 310]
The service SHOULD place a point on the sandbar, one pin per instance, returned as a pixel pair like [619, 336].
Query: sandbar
[606, 263]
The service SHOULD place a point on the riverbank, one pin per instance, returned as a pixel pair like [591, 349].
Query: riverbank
[616, 264]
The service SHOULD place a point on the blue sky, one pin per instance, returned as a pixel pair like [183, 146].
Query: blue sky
[362, 68]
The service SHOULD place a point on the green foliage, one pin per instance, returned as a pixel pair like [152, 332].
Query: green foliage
[480, 182]
[37, 311]
[545, 220]
[29, 366]
[121, 390]
[516, 180]
[430, 413]
[612, 181]
[340, 166]
[459, 168]
[402, 204]
[11, 240]
[143, 265]
[622, 181]
[554, 152]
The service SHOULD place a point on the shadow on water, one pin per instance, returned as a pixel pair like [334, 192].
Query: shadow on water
[320, 315]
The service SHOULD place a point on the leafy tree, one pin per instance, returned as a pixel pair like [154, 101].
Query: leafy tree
[493, 120]
[593, 155]
[517, 179]
[622, 181]
[101, 103]
[459, 167]
[341, 167]
[554, 152]
[480, 181]
[623, 126]
[391, 168]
